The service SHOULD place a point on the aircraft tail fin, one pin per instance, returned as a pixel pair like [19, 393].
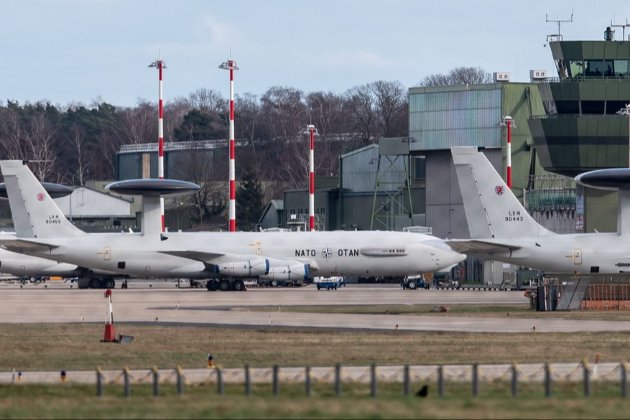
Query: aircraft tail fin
[34, 212]
[492, 210]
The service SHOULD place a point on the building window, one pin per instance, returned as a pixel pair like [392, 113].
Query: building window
[594, 68]
[420, 168]
[576, 68]
[620, 68]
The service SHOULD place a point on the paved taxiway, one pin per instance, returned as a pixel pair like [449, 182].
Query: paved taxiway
[166, 304]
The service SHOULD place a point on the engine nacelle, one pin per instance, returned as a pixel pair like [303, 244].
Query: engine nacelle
[247, 267]
[287, 270]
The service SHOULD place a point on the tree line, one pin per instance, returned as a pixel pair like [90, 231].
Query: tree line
[77, 142]
[74, 143]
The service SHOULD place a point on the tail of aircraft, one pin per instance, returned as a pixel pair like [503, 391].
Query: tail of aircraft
[35, 214]
[492, 210]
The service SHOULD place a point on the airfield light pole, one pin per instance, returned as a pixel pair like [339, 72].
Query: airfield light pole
[160, 65]
[626, 111]
[310, 129]
[231, 66]
[507, 121]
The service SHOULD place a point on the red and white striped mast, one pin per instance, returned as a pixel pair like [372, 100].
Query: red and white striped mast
[231, 66]
[310, 129]
[160, 65]
[507, 121]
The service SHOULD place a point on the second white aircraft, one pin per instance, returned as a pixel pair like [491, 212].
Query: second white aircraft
[501, 229]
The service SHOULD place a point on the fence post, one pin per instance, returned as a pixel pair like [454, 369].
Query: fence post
[587, 378]
[156, 382]
[180, 381]
[220, 387]
[406, 381]
[307, 381]
[440, 380]
[274, 380]
[514, 380]
[338, 379]
[248, 385]
[126, 382]
[373, 385]
[624, 379]
[475, 379]
[547, 380]
[99, 382]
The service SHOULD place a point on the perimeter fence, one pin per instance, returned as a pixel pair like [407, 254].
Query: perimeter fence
[338, 376]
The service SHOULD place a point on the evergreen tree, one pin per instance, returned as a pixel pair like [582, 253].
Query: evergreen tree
[249, 201]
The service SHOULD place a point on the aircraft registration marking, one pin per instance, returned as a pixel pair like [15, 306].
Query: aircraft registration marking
[514, 216]
[53, 219]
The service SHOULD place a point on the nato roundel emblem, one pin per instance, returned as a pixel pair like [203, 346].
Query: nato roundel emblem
[40, 196]
[499, 189]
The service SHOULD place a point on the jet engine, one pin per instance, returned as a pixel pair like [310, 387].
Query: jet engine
[286, 270]
[247, 267]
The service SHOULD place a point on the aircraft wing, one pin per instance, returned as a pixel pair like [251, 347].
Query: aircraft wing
[204, 257]
[475, 246]
[25, 245]
[221, 258]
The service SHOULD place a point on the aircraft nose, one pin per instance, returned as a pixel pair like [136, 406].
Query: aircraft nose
[448, 258]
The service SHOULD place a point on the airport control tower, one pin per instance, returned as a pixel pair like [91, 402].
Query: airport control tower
[586, 123]
[582, 129]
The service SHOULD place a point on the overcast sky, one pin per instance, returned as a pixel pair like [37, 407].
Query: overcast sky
[66, 51]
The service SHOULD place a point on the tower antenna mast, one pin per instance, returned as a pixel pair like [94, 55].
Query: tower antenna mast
[558, 36]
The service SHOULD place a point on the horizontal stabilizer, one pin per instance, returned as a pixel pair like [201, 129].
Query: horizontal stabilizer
[478, 247]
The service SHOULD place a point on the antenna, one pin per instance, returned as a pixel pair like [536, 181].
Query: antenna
[623, 27]
[558, 36]
[231, 66]
[312, 132]
[160, 65]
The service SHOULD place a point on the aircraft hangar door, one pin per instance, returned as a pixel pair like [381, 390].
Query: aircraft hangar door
[577, 256]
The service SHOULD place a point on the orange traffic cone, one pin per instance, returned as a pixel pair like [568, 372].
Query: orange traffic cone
[110, 334]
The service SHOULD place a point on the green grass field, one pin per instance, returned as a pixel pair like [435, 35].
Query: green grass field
[355, 402]
[77, 347]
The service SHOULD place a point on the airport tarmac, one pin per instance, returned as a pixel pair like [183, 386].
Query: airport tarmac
[165, 303]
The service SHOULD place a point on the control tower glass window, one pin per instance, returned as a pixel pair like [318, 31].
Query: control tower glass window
[561, 65]
[576, 68]
[594, 68]
[608, 68]
[620, 68]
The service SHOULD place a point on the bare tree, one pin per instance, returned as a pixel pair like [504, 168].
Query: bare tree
[458, 76]
[78, 142]
[390, 107]
[12, 134]
[283, 113]
[325, 110]
[39, 141]
[197, 166]
[174, 113]
[140, 123]
[208, 100]
[359, 105]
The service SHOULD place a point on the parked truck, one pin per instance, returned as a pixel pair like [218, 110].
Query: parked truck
[414, 282]
[329, 283]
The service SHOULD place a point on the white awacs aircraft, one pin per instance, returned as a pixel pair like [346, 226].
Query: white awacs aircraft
[501, 229]
[43, 231]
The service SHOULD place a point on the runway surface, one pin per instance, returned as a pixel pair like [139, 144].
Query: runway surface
[164, 303]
